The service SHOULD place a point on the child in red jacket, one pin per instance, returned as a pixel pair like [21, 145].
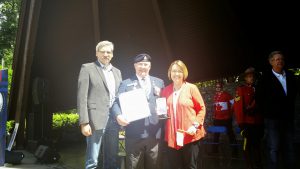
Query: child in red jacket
[222, 113]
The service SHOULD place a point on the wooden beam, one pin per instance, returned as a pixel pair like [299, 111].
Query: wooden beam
[23, 58]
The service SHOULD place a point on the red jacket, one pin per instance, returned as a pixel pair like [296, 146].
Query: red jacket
[245, 106]
[190, 108]
[222, 106]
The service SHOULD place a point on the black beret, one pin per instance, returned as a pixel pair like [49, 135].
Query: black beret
[142, 58]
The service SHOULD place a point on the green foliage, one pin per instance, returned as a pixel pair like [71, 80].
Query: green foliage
[296, 71]
[9, 16]
[10, 125]
[65, 127]
[204, 84]
[63, 120]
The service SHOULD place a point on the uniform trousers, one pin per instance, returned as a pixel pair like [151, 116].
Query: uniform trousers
[143, 153]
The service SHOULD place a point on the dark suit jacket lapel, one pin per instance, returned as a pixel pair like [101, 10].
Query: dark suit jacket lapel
[289, 86]
[277, 83]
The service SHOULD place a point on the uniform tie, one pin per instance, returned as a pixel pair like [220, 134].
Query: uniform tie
[145, 86]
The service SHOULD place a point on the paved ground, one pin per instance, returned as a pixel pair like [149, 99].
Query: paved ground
[72, 157]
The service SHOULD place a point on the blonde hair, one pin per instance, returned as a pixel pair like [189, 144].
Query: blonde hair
[104, 43]
[182, 67]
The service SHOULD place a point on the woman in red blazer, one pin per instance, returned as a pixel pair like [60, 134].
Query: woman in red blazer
[186, 110]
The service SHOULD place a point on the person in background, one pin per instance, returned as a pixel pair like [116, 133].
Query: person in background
[222, 114]
[276, 95]
[98, 84]
[142, 137]
[186, 109]
[249, 120]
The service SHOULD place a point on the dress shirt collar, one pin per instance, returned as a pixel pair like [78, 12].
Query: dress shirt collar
[147, 78]
[107, 68]
[278, 74]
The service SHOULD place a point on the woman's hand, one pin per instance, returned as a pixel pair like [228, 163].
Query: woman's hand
[192, 130]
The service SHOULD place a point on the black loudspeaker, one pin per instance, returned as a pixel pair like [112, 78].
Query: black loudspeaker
[12, 157]
[47, 155]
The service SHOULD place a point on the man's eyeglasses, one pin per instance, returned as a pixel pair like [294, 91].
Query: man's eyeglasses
[107, 52]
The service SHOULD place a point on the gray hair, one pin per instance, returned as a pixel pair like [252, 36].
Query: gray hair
[104, 43]
[272, 54]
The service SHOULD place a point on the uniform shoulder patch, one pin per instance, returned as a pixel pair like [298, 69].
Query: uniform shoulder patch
[237, 98]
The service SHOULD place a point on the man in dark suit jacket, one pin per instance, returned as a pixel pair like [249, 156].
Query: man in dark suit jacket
[98, 84]
[276, 94]
[142, 136]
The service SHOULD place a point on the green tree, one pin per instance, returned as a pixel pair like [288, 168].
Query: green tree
[9, 16]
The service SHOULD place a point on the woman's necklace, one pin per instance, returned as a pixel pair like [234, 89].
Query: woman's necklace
[176, 91]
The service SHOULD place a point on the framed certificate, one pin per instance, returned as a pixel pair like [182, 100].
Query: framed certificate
[134, 105]
[161, 106]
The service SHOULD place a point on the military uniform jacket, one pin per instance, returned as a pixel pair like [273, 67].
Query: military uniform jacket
[139, 129]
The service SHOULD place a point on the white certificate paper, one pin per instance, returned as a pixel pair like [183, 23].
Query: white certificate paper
[161, 106]
[134, 105]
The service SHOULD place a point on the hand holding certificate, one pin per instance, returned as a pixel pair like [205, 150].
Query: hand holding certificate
[134, 105]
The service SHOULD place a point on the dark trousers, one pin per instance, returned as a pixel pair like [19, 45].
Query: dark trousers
[143, 153]
[279, 139]
[252, 150]
[230, 133]
[111, 145]
[184, 158]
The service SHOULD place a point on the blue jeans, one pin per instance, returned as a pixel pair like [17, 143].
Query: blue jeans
[93, 149]
[279, 135]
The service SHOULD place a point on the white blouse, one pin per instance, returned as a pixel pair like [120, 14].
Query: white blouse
[175, 99]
